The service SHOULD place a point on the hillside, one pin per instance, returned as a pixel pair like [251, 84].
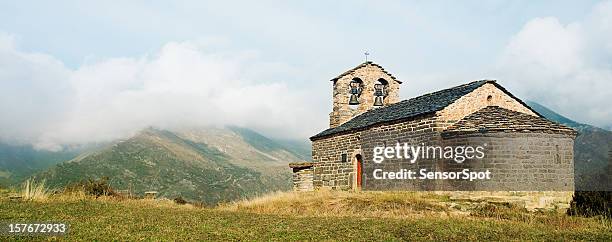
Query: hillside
[20, 161]
[591, 151]
[297, 148]
[210, 165]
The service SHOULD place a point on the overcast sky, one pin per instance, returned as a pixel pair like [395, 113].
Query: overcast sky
[74, 72]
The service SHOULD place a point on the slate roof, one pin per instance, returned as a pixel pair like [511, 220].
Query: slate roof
[411, 108]
[363, 65]
[497, 119]
[303, 164]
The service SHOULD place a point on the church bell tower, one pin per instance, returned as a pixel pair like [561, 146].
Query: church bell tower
[358, 90]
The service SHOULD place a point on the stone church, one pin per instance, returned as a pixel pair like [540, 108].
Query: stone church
[523, 150]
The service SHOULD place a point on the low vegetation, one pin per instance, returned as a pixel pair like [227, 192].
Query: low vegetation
[337, 203]
[33, 190]
[180, 201]
[591, 203]
[330, 215]
[93, 187]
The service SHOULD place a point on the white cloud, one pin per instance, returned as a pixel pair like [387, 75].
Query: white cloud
[35, 92]
[567, 67]
[48, 105]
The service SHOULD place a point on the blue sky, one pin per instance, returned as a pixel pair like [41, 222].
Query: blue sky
[407, 35]
[82, 60]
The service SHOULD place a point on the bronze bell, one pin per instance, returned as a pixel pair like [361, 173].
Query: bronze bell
[378, 92]
[354, 100]
[378, 101]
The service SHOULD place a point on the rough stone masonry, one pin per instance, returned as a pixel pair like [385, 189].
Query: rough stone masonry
[524, 151]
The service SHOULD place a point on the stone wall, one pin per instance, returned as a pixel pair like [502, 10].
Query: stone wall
[530, 200]
[303, 179]
[486, 95]
[369, 74]
[517, 161]
[610, 159]
[608, 183]
[421, 131]
[331, 171]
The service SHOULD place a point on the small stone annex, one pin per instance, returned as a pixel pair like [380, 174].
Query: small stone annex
[525, 151]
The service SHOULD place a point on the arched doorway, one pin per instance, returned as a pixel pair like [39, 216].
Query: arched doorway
[359, 170]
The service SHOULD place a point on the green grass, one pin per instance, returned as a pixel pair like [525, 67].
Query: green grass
[140, 219]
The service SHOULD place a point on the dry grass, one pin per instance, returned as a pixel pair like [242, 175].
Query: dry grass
[403, 205]
[344, 203]
[323, 215]
[70, 196]
[397, 205]
[512, 212]
[37, 196]
[32, 190]
[138, 220]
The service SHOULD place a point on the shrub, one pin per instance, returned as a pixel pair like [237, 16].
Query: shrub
[591, 203]
[94, 187]
[180, 200]
[34, 191]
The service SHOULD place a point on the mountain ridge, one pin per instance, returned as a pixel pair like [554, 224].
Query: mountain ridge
[18, 162]
[210, 165]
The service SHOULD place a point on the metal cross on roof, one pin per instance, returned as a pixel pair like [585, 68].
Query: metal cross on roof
[366, 56]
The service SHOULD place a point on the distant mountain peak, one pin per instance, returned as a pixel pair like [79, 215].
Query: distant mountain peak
[552, 115]
[202, 164]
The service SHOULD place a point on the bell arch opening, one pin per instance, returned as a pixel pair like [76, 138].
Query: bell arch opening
[355, 89]
[380, 92]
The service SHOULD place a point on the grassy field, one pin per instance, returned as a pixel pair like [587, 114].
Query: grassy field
[304, 216]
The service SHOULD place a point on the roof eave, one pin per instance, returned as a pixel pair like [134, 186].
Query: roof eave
[363, 65]
[450, 134]
[319, 136]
